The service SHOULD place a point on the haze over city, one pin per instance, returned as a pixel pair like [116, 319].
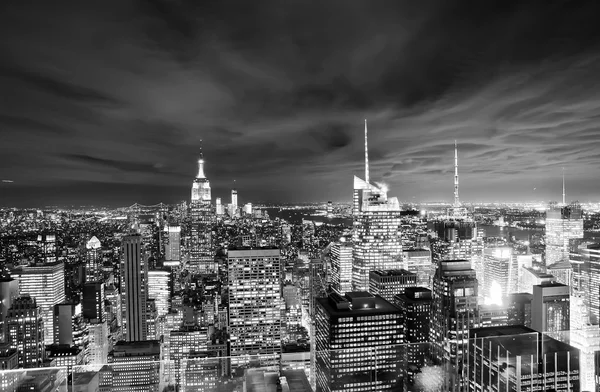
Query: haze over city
[106, 103]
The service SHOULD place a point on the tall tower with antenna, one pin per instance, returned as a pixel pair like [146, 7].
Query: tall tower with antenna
[201, 252]
[374, 212]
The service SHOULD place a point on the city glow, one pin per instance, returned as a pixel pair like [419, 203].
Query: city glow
[495, 297]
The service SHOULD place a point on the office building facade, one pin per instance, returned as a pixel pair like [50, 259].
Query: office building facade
[551, 308]
[25, 328]
[356, 343]
[341, 266]
[134, 292]
[255, 305]
[45, 283]
[388, 283]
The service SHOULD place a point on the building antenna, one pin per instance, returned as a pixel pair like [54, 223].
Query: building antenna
[366, 155]
[564, 194]
[456, 199]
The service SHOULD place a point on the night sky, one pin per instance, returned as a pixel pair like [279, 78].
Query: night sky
[105, 101]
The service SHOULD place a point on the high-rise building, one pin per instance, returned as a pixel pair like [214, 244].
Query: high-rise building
[173, 246]
[415, 311]
[376, 229]
[531, 277]
[563, 224]
[159, 289]
[341, 266]
[356, 343]
[93, 260]
[45, 283]
[201, 185]
[586, 260]
[248, 208]
[519, 309]
[388, 283]
[516, 358]
[134, 366]
[499, 274]
[9, 290]
[255, 305]
[183, 343]
[201, 247]
[550, 308]
[419, 262]
[69, 327]
[46, 244]
[234, 200]
[201, 256]
[134, 291]
[219, 207]
[93, 301]
[97, 350]
[25, 327]
[453, 310]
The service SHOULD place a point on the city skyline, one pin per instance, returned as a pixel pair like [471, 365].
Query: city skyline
[107, 105]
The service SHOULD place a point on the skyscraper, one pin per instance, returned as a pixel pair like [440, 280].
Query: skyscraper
[453, 310]
[234, 199]
[376, 232]
[356, 343]
[159, 290]
[500, 274]
[341, 266]
[134, 281]
[134, 366]
[550, 308]
[93, 260]
[202, 216]
[47, 248]
[173, 246]
[563, 224]
[9, 290]
[415, 310]
[255, 305]
[45, 283]
[93, 301]
[25, 327]
[218, 206]
[201, 186]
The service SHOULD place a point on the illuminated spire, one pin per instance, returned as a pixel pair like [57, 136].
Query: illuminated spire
[201, 163]
[564, 194]
[456, 199]
[366, 155]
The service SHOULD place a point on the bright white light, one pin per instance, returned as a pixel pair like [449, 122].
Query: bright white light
[430, 379]
[495, 297]
[382, 187]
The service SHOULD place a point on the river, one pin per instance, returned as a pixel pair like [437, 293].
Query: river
[296, 216]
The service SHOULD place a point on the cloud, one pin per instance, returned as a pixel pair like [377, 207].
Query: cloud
[121, 93]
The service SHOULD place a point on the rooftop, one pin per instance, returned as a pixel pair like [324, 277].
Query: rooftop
[356, 304]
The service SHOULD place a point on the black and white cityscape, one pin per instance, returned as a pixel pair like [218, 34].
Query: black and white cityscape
[334, 196]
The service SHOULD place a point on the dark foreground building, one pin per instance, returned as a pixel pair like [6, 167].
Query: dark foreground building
[357, 343]
[517, 358]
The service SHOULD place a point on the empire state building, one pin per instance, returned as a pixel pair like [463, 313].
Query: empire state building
[201, 256]
[201, 185]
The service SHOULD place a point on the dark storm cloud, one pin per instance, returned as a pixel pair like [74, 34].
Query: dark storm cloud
[113, 95]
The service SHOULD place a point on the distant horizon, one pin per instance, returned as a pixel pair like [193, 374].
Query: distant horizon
[442, 203]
